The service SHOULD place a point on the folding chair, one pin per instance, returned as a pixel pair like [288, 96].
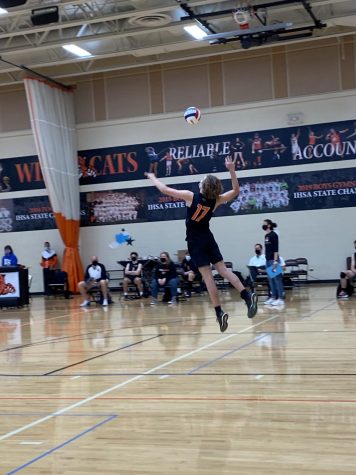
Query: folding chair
[301, 272]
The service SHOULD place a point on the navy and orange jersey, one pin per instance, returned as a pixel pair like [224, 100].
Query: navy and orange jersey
[49, 260]
[133, 266]
[199, 214]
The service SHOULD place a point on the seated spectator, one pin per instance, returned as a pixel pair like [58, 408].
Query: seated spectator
[49, 259]
[133, 275]
[95, 276]
[49, 262]
[257, 263]
[164, 275]
[189, 273]
[9, 259]
[345, 289]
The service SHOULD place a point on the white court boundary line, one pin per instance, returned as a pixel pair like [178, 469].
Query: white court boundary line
[128, 381]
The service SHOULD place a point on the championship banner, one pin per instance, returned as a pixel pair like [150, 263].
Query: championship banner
[268, 194]
[319, 143]
[26, 214]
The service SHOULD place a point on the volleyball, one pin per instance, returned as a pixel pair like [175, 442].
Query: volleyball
[192, 115]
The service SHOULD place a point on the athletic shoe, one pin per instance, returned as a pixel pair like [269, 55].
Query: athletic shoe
[105, 303]
[343, 295]
[85, 303]
[222, 320]
[277, 302]
[251, 303]
[153, 302]
[268, 301]
[173, 301]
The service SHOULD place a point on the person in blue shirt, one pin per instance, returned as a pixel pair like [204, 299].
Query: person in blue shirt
[9, 259]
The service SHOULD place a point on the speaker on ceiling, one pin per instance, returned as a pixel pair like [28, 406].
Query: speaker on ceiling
[44, 16]
[11, 3]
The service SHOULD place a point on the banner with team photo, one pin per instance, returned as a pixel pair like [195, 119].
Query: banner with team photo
[294, 192]
[267, 194]
[111, 207]
[318, 143]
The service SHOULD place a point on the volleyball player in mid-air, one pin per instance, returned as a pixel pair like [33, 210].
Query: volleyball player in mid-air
[202, 246]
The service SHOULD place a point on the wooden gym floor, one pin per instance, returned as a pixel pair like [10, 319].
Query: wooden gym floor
[136, 390]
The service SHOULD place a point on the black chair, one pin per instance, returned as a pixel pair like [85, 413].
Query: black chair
[133, 293]
[259, 281]
[197, 284]
[57, 283]
[348, 263]
[288, 276]
[348, 267]
[300, 274]
[220, 281]
[96, 294]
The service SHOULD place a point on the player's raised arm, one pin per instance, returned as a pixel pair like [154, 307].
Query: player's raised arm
[185, 195]
[235, 191]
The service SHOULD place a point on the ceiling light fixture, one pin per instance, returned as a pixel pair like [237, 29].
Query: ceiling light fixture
[196, 32]
[77, 51]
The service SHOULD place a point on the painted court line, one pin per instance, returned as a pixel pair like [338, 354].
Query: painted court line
[227, 353]
[128, 381]
[129, 345]
[31, 443]
[60, 446]
[275, 399]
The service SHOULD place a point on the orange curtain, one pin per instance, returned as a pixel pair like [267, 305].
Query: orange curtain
[69, 230]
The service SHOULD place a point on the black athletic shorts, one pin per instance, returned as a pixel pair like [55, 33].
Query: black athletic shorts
[204, 250]
[132, 278]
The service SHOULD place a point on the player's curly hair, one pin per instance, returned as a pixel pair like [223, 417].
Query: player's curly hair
[211, 187]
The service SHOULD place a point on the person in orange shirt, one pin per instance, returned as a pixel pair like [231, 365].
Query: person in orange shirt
[49, 261]
[49, 257]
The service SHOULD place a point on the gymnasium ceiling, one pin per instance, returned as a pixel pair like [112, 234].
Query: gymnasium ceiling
[129, 33]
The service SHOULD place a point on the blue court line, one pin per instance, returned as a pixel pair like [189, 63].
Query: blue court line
[197, 368]
[311, 315]
[57, 447]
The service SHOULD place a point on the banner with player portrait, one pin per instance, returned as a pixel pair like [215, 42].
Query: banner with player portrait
[249, 150]
[318, 143]
[275, 193]
[323, 189]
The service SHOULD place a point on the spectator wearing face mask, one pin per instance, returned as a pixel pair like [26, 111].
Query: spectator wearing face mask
[189, 273]
[273, 261]
[133, 273]
[257, 263]
[165, 275]
[95, 276]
